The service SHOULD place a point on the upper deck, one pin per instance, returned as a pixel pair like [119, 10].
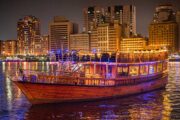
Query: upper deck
[99, 74]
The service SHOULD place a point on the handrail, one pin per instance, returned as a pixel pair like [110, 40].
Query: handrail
[60, 78]
[122, 77]
[90, 81]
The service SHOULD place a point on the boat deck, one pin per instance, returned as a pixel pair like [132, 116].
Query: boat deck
[82, 81]
[99, 74]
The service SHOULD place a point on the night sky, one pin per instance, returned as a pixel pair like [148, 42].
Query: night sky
[12, 10]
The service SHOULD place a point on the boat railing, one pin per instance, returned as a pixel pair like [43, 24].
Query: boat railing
[52, 79]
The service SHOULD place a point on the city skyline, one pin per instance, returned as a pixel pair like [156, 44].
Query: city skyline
[145, 10]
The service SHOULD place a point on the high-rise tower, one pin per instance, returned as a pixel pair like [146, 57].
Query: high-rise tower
[129, 20]
[59, 32]
[178, 22]
[163, 31]
[125, 15]
[27, 28]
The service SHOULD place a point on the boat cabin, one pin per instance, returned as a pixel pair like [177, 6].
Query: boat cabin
[102, 74]
[117, 70]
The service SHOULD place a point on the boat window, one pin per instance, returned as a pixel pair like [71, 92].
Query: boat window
[122, 71]
[109, 74]
[133, 70]
[152, 68]
[119, 70]
[159, 67]
[109, 69]
[87, 70]
[100, 70]
[125, 69]
[143, 69]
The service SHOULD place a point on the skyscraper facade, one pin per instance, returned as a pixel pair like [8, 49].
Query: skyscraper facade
[125, 15]
[45, 44]
[59, 32]
[106, 38]
[178, 22]
[129, 20]
[8, 47]
[80, 42]
[164, 35]
[132, 44]
[94, 40]
[92, 17]
[163, 31]
[27, 28]
[1, 47]
[37, 45]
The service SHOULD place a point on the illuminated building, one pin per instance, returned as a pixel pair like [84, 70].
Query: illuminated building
[45, 44]
[129, 20]
[27, 28]
[117, 13]
[125, 15]
[59, 32]
[132, 44]
[41, 45]
[164, 34]
[1, 49]
[94, 41]
[80, 42]
[178, 21]
[9, 47]
[106, 37]
[37, 45]
[92, 17]
[163, 31]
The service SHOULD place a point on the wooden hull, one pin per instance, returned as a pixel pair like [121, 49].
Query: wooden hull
[54, 93]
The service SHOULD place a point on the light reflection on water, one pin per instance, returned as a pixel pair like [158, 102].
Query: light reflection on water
[160, 104]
